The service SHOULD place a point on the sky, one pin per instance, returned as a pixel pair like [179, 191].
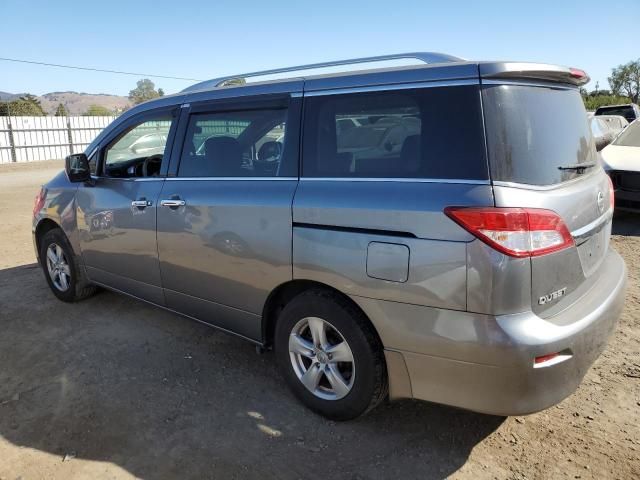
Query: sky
[208, 39]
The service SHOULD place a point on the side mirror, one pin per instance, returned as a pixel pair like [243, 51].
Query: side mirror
[77, 168]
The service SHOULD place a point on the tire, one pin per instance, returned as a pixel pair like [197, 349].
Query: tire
[67, 280]
[342, 390]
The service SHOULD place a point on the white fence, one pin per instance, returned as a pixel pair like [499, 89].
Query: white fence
[31, 139]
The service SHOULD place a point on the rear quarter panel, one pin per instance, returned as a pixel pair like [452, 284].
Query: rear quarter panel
[335, 222]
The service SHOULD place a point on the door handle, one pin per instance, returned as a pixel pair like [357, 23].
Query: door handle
[173, 203]
[142, 203]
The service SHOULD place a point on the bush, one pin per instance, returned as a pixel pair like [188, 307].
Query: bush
[97, 111]
[21, 107]
[591, 103]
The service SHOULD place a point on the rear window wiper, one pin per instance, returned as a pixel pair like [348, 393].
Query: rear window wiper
[578, 167]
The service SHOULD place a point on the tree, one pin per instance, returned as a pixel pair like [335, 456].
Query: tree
[21, 107]
[145, 90]
[97, 111]
[625, 80]
[61, 111]
[31, 98]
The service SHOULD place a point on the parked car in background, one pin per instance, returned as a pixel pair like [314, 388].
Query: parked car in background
[622, 162]
[605, 128]
[616, 122]
[438, 232]
[630, 111]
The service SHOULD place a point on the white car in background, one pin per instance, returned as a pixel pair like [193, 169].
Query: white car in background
[605, 128]
[622, 162]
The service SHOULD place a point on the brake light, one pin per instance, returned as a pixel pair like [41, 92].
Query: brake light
[517, 232]
[577, 73]
[545, 358]
[612, 197]
[38, 201]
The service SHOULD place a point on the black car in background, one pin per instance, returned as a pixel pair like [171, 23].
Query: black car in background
[630, 111]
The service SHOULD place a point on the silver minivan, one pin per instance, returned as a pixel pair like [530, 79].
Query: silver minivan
[437, 231]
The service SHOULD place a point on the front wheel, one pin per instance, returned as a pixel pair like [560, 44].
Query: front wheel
[330, 355]
[63, 273]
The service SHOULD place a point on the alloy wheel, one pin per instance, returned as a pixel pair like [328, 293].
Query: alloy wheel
[321, 358]
[58, 267]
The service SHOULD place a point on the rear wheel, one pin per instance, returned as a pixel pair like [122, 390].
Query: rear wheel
[64, 275]
[330, 355]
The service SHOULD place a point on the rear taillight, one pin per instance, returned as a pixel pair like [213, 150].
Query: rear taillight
[612, 197]
[577, 73]
[38, 201]
[518, 232]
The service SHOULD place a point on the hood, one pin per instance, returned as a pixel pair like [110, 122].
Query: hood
[617, 157]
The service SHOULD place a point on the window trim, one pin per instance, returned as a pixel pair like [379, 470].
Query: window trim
[393, 87]
[127, 126]
[397, 179]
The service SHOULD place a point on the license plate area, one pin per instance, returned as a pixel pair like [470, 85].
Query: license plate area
[593, 250]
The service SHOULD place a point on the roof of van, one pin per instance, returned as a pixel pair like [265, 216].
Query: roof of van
[436, 66]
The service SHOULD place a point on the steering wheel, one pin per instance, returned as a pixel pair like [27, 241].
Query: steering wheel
[149, 160]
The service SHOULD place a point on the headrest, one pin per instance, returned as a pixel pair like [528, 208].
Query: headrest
[270, 151]
[222, 148]
[410, 154]
[411, 147]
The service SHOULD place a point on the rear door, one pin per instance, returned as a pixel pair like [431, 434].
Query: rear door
[542, 155]
[224, 221]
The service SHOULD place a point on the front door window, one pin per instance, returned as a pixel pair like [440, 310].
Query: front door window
[139, 152]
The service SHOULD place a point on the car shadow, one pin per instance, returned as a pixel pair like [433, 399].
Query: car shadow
[115, 380]
[626, 223]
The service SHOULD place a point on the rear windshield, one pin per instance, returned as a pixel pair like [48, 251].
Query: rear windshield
[630, 136]
[626, 111]
[535, 133]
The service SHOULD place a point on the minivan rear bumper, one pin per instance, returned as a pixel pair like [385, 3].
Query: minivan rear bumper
[485, 363]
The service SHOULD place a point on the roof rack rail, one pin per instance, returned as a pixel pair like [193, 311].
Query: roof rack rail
[426, 57]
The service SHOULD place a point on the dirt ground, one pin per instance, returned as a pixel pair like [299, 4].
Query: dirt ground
[111, 388]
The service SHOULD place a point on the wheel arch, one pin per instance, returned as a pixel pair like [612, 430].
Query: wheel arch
[45, 225]
[286, 292]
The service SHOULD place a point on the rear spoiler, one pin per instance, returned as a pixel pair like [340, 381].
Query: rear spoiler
[532, 71]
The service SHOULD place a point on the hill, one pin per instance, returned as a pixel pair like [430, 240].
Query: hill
[6, 96]
[76, 103]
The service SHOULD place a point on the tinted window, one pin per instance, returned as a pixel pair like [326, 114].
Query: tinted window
[247, 143]
[630, 136]
[534, 132]
[625, 111]
[414, 133]
[139, 151]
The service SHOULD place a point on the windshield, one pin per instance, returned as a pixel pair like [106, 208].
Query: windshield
[536, 135]
[630, 136]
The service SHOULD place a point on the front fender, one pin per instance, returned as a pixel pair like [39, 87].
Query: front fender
[59, 207]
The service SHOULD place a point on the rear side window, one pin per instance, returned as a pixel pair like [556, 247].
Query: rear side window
[247, 143]
[413, 133]
[536, 134]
